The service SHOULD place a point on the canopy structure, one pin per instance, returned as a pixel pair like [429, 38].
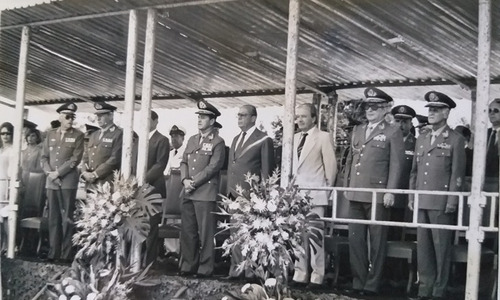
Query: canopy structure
[175, 52]
[231, 49]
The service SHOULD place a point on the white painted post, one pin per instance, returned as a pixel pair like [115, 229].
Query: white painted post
[17, 138]
[290, 91]
[128, 115]
[475, 235]
[144, 115]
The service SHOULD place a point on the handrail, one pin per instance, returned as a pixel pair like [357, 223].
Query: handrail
[414, 224]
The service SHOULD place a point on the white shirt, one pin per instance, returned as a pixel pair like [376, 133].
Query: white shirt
[174, 160]
[248, 133]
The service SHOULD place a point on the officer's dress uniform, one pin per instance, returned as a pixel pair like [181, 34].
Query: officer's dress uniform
[62, 153]
[201, 162]
[376, 162]
[104, 153]
[439, 167]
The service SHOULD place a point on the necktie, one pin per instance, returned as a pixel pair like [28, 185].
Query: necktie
[369, 130]
[433, 137]
[492, 138]
[301, 144]
[242, 139]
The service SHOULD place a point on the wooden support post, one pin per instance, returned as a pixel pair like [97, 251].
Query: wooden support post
[144, 115]
[128, 116]
[475, 235]
[17, 138]
[290, 91]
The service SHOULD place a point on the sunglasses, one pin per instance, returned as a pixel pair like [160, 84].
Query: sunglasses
[493, 111]
[5, 133]
[67, 117]
[373, 106]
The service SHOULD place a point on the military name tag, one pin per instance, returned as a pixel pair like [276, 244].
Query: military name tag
[207, 147]
[106, 140]
[69, 140]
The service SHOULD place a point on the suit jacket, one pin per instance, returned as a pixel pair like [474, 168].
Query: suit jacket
[158, 153]
[202, 163]
[492, 156]
[317, 165]
[438, 167]
[255, 156]
[374, 162]
[409, 148]
[62, 155]
[104, 154]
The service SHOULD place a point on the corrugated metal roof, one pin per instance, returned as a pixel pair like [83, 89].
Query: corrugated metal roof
[226, 48]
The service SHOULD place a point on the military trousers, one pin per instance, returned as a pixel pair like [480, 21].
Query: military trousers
[367, 257]
[61, 207]
[197, 236]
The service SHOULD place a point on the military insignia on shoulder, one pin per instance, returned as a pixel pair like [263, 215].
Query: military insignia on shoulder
[112, 128]
[381, 126]
[446, 134]
[444, 146]
[380, 138]
[371, 93]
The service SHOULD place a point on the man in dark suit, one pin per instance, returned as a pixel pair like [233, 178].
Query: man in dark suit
[491, 179]
[158, 154]
[313, 164]
[251, 152]
[104, 151]
[200, 167]
[62, 152]
[375, 161]
[438, 165]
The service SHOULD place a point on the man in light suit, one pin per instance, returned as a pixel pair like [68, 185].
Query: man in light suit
[104, 149]
[313, 165]
[200, 174]
[438, 165]
[158, 154]
[62, 152]
[375, 161]
[251, 152]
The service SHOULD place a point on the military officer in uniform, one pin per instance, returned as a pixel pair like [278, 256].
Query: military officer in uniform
[104, 151]
[438, 165]
[202, 160]
[403, 116]
[62, 152]
[375, 161]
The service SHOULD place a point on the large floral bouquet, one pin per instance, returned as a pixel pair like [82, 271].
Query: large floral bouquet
[111, 217]
[267, 224]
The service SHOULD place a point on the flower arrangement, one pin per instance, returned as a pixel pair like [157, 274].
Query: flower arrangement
[267, 223]
[111, 217]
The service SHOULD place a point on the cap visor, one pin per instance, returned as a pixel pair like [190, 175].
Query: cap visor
[438, 104]
[103, 111]
[375, 100]
[205, 112]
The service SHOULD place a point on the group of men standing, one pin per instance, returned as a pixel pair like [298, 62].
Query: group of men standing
[386, 156]
[382, 156]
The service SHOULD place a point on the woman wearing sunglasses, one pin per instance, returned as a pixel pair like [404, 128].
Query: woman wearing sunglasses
[6, 153]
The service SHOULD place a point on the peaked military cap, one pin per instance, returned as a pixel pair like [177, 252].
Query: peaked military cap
[103, 107]
[67, 108]
[403, 112]
[437, 99]
[217, 125]
[29, 124]
[376, 95]
[206, 108]
[177, 130]
[422, 121]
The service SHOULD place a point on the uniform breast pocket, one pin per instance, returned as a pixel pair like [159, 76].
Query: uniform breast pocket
[207, 153]
[378, 144]
[443, 152]
[107, 147]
